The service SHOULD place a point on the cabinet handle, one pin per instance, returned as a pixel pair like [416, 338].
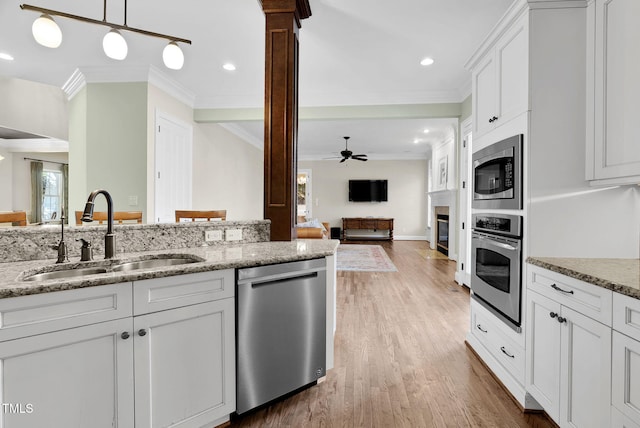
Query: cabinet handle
[561, 320]
[553, 314]
[493, 119]
[555, 287]
[125, 335]
[142, 332]
[479, 327]
[506, 353]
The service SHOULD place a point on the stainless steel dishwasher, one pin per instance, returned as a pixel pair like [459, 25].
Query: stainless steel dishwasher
[281, 330]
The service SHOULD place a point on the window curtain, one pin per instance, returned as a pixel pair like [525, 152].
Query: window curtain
[36, 192]
[65, 193]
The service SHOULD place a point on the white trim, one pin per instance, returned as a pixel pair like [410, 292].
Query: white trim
[236, 130]
[152, 75]
[331, 157]
[410, 238]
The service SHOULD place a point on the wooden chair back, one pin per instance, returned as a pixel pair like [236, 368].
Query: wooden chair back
[17, 218]
[118, 217]
[193, 215]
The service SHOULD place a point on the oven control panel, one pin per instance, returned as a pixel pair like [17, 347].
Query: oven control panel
[503, 224]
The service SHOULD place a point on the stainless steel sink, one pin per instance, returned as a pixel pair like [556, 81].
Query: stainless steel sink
[152, 263]
[149, 262]
[65, 273]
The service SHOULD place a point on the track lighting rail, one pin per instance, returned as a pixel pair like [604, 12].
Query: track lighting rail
[104, 22]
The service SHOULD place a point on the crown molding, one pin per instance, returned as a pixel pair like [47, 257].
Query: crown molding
[152, 75]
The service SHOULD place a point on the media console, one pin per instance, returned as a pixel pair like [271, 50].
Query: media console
[367, 223]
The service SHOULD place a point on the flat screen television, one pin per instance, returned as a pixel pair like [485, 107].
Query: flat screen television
[368, 190]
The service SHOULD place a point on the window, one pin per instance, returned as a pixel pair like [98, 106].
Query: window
[52, 194]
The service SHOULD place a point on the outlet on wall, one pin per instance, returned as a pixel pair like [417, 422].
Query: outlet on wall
[213, 235]
[233, 235]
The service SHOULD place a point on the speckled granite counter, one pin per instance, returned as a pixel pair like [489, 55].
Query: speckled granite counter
[619, 275]
[212, 258]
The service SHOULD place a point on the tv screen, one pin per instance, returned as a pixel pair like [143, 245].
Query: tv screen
[368, 190]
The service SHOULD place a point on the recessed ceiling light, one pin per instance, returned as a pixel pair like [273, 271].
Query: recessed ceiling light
[6, 56]
[416, 141]
[426, 131]
[229, 67]
[427, 61]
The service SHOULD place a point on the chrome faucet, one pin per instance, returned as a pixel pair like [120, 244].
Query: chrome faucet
[87, 215]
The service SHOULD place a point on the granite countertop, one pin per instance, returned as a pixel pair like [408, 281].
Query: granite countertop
[210, 258]
[619, 275]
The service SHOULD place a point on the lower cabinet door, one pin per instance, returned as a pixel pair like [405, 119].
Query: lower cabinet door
[543, 349]
[185, 365]
[585, 384]
[75, 378]
[625, 383]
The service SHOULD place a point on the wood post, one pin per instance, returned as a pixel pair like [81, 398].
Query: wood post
[281, 113]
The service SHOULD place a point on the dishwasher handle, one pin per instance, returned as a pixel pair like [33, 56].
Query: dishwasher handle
[296, 274]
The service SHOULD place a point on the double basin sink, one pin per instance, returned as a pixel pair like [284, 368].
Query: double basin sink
[80, 270]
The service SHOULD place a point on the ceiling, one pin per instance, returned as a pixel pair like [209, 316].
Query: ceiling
[352, 53]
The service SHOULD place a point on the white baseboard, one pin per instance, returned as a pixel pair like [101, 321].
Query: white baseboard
[410, 238]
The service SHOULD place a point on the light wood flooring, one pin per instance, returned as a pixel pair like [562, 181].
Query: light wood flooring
[400, 356]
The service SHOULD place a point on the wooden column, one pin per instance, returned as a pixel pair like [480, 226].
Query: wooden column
[281, 113]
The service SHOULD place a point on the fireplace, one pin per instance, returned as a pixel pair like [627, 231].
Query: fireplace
[442, 234]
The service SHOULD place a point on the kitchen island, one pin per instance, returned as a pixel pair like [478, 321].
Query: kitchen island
[146, 346]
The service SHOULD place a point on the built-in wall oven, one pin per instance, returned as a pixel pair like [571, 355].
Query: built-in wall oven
[497, 175]
[496, 265]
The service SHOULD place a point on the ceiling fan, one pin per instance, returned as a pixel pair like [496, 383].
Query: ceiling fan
[348, 154]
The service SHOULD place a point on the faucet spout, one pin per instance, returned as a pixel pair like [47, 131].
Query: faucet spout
[87, 215]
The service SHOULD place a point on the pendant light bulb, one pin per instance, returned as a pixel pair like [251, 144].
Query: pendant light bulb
[172, 56]
[114, 45]
[46, 31]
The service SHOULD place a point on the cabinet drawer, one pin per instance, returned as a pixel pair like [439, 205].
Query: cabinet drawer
[351, 224]
[588, 299]
[159, 294]
[383, 225]
[626, 315]
[625, 375]
[43, 313]
[368, 224]
[506, 351]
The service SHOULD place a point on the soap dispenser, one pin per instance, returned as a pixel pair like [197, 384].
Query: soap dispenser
[86, 251]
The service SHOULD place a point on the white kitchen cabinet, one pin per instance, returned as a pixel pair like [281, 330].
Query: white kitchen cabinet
[625, 383]
[74, 378]
[500, 79]
[613, 87]
[185, 366]
[569, 353]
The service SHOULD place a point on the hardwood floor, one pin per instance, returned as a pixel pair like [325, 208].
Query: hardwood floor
[400, 357]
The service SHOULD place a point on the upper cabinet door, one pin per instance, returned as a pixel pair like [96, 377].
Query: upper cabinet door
[501, 79]
[613, 128]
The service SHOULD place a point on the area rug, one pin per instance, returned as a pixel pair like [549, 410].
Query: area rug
[366, 258]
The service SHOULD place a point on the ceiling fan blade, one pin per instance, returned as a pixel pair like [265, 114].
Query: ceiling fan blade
[360, 159]
[343, 159]
[361, 156]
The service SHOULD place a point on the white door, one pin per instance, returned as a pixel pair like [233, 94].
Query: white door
[76, 378]
[185, 365]
[173, 167]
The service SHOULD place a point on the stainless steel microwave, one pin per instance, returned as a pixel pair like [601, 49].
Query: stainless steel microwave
[497, 175]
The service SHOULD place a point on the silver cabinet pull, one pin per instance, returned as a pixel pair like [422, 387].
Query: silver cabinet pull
[479, 327]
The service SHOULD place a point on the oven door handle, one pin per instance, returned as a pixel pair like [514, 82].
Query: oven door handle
[496, 244]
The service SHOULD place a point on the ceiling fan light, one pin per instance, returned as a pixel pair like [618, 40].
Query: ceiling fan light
[172, 56]
[114, 45]
[46, 31]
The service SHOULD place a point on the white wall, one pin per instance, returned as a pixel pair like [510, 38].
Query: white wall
[227, 173]
[407, 193]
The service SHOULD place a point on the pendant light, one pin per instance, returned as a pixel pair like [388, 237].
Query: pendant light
[46, 31]
[172, 56]
[114, 45]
